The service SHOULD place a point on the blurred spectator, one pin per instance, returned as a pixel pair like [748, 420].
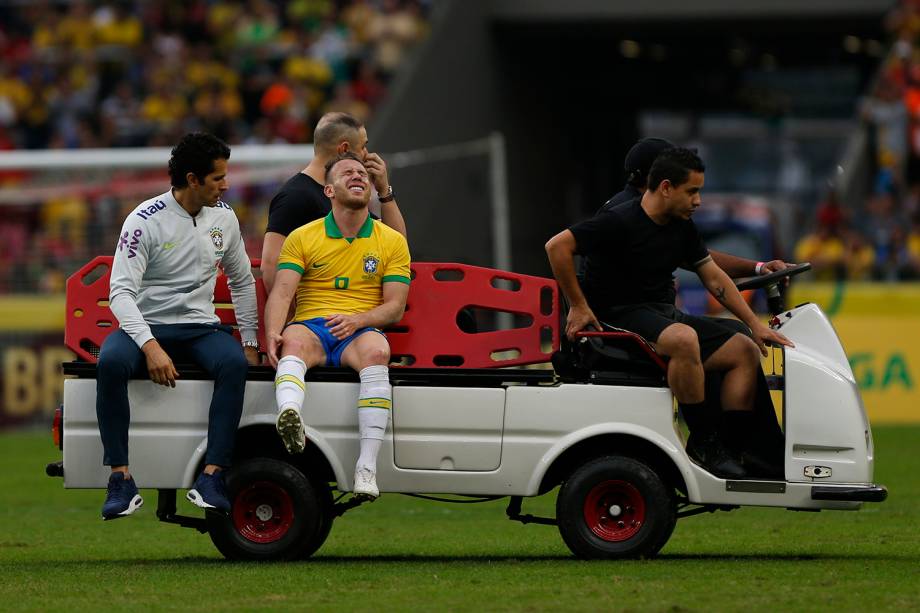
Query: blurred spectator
[14, 238]
[887, 113]
[343, 101]
[858, 257]
[882, 222]
[258, 25]
[120, 118]
[894, 260]
[393, 30]
[824, 247]
[913, 248]
[117, 29]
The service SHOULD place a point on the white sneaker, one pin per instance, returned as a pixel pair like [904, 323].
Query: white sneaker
[290, 427]
[366, 483]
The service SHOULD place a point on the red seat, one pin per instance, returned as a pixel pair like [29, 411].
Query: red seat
[89, 320]
[442, 298]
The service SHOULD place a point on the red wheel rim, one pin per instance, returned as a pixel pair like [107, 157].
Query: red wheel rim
[614, 511]
[263, 512]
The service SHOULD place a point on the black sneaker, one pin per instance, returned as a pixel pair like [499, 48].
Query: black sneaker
[208, 492]
[711, 454]
[121, 498]
[758, 467]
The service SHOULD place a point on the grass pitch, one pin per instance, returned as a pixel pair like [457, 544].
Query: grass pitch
[406, 554]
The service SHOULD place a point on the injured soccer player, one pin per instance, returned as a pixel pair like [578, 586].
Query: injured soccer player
[350, 275]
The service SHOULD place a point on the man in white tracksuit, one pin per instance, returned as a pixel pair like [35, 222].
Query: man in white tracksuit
[161, 291]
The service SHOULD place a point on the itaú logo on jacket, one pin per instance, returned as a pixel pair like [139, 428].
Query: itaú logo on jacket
[150, 210]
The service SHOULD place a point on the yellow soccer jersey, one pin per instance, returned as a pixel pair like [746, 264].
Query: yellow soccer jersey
[343, 275]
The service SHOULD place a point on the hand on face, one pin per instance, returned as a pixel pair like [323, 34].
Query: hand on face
[377, 169]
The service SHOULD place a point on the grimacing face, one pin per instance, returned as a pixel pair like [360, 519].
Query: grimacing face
[349, 184]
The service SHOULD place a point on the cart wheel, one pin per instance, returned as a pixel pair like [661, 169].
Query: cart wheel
[615, 507]
[276, 513]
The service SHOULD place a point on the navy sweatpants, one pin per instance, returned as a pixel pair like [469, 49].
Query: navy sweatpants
[212, 347]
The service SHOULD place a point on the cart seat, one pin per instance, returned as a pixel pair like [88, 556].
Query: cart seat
[612, 353]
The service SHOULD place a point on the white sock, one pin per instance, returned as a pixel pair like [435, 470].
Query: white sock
[374, 403]
[289, 383]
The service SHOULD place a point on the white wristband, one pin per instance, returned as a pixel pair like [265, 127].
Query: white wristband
[758, 268]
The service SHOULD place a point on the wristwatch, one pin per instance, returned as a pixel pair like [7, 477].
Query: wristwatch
[387, 197]
[253, 344]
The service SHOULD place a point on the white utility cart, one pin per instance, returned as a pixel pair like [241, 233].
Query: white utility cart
[603, 430]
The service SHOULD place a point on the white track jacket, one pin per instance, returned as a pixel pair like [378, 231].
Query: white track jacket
[166, 265]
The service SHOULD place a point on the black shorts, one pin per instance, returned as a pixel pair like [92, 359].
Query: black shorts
[649, 320]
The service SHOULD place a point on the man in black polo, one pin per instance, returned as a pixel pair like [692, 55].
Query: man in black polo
[631, 253]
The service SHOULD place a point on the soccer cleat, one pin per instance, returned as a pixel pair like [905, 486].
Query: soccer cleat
[290, 427]
[365, 484]
[208, 493]
[121, 498]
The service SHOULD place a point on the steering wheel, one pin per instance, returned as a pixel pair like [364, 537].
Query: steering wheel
[772, 278]
[771, 283]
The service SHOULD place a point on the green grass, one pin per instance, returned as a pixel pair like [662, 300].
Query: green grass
[406, 554]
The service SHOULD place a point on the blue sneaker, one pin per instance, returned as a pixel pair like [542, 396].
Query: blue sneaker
[208, 492]
[121, 498]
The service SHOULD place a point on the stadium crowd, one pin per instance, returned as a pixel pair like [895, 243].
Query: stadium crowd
[881, 240]
[130, 73]
[113, 74]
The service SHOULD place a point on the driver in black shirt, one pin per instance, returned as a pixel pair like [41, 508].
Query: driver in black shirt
[631, 253]
[637, 164]
[765, 452]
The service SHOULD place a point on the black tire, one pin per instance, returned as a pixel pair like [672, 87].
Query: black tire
[645, 510]
[277, 513]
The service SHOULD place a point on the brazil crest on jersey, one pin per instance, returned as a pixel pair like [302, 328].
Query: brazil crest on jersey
[343, 275]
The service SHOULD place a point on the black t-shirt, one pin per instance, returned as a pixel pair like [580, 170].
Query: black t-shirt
[629, 259]
[628, 193]
[299, 201]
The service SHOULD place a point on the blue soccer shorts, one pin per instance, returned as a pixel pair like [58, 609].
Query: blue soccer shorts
[331, 345]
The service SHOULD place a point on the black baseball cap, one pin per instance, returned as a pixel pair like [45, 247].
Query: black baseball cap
[640, 157]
